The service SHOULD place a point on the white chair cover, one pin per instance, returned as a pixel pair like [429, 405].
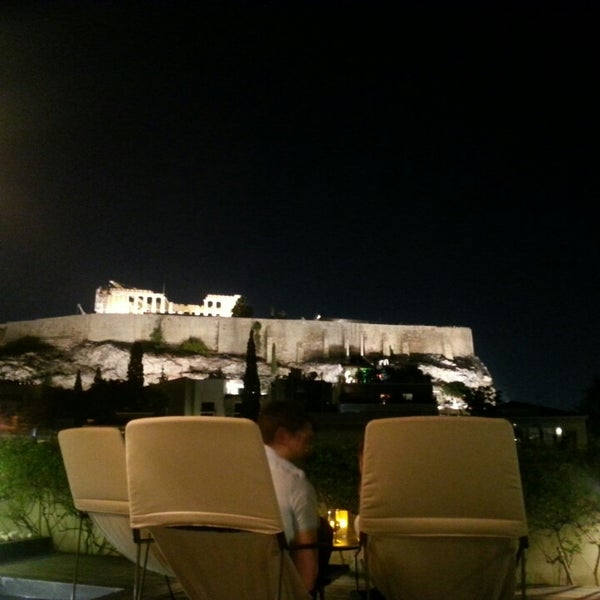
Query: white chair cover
[442, 508]
[94, 459]
[203, 487]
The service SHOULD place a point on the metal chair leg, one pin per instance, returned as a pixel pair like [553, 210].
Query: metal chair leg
[77, 553]
[140, 569]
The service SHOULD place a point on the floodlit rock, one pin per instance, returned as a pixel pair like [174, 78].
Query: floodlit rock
[60, 367]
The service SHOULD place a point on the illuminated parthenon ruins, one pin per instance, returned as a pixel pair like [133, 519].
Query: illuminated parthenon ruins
[116, 298]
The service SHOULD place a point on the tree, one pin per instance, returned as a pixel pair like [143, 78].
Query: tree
[77, 407]
[135, 369]
[480, 401]
[590, 405]
[78, 387]
[273, 360]
[250, 406]
[241, 308]
[157, 339]
[559, 498]
[98, 380]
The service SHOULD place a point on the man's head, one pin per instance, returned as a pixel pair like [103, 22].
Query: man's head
[286, 428]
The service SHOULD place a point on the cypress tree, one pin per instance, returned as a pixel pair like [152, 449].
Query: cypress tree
[250, 406]
[78, 387]
[273, 360]
[135, 369]
[98, 380]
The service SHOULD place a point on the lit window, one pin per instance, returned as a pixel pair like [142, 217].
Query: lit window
[383, 398]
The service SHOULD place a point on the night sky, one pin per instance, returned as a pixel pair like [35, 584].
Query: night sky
[436, 164]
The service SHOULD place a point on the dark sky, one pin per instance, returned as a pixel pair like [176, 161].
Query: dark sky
[435, 164]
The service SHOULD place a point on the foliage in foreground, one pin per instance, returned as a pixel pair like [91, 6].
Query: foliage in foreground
[332, 468]
[32, 476]
[35, 495]
[562, 501]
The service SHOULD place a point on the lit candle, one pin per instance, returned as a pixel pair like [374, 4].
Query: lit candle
[341, 516]
[331, 518]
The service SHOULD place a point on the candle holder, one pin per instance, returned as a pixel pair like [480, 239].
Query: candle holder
[338, 520]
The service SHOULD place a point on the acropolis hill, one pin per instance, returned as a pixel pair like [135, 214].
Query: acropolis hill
[125, 315]
[293, 341]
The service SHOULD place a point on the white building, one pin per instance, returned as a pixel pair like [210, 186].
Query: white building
[118, 299]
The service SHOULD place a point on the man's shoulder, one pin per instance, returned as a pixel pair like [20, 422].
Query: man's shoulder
[282, 465]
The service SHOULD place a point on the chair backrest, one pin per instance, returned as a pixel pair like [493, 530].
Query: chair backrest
[436, 493]
[94, 459]
[203, 487]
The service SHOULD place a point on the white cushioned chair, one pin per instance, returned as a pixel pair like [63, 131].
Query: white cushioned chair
[441, 508]
[94, 459]
[203, 488]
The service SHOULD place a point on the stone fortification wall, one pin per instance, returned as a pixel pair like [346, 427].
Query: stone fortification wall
[292, 340]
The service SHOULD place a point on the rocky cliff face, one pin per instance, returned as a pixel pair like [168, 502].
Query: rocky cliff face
[59, 367]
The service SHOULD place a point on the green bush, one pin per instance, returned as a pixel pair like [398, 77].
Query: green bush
[35, 495]
[332, 468]
[193, 345]
[562, 503]
[26, 344]
[33, 487]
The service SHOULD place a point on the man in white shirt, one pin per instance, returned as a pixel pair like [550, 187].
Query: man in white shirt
[287, 432]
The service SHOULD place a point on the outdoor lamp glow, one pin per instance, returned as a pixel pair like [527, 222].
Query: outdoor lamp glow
[341, 516]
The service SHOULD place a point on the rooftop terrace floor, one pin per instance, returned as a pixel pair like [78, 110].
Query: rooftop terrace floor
[114, 571]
